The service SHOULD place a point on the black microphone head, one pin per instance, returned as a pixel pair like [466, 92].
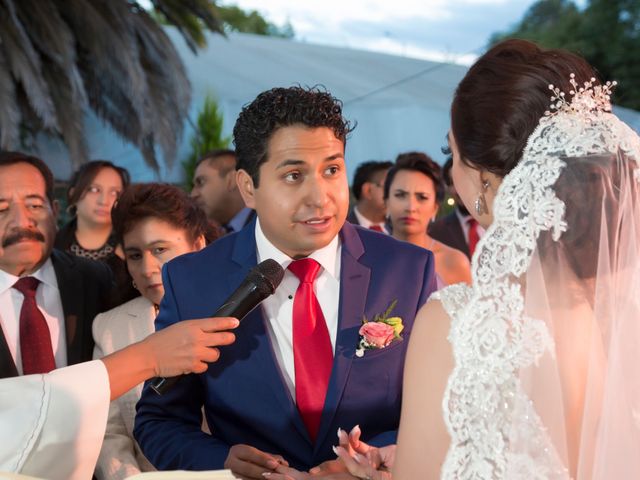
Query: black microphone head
[267, 275]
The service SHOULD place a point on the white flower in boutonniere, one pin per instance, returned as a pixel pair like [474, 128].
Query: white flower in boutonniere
[379, 332]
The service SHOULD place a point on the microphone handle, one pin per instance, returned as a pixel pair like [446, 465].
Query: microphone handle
[244, 299]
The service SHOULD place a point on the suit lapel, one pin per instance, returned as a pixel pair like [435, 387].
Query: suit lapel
[71, 294]
[354, 277]
[7, 365]
[255, 326]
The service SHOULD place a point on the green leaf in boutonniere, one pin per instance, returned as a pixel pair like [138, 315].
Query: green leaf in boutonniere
[396, 323]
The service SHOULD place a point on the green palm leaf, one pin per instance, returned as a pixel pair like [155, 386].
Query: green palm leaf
[61, 58]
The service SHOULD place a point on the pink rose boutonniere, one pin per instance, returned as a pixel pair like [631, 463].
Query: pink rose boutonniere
[379, 332]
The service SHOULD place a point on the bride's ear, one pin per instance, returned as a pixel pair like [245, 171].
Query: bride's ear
[491, 181]
[487, 186]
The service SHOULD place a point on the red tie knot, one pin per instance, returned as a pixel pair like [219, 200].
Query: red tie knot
[472, 222]
[306, 269]
[27, 286]
[376, 228]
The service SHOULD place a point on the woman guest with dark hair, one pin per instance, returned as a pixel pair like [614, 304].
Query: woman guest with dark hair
[93, 190]
[154, 223]
[413, 191]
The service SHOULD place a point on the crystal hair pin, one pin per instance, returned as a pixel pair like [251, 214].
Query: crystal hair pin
[585, 100]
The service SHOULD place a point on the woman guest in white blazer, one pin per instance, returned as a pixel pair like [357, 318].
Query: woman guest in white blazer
[154, 223]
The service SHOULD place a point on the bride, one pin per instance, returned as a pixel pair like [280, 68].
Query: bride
[530, 372]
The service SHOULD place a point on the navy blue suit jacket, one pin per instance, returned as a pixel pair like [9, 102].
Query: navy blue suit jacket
[244, 395]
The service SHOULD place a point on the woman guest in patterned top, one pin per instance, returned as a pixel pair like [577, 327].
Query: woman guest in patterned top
[92, 192]
[153, 223]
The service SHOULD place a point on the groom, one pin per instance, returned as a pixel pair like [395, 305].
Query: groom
[280, 392]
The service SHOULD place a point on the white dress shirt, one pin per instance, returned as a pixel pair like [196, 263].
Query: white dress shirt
[278, 308]
[464, 223]
[366, 223]
[49, 303]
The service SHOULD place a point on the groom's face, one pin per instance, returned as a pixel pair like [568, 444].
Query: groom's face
[303, 194]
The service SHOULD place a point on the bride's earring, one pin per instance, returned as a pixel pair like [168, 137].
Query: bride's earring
[481, 201]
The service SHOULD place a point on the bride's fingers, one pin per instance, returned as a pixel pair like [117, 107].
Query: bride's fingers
[355, 468]
[284, 472]
[343, 441]
[355, 442]
[354, 437]
[276, 476]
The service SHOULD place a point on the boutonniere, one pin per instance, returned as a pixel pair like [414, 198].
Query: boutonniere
[379, 332]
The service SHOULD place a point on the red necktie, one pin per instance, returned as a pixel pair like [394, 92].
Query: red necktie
[473, 235]
[376, 228]
[35, 338]
[312, 351]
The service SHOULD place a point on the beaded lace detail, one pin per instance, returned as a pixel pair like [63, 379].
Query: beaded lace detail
[495, 431]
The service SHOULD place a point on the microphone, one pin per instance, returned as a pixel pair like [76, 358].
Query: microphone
[261, 282]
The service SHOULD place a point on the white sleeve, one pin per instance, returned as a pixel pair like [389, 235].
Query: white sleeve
[52, 425]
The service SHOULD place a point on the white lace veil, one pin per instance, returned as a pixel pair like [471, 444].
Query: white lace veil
[548, 387]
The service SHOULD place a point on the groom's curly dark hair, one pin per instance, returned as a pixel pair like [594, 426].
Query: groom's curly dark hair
[282, 107]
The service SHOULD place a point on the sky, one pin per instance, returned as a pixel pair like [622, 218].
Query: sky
[442, 30]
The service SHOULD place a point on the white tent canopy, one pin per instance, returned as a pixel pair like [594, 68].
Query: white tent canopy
[399, 103]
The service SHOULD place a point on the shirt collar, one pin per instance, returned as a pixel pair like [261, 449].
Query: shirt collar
[237, 222]
[366, 223]
[362, 220]
[462, 218]
[328, 256]
[46, 274]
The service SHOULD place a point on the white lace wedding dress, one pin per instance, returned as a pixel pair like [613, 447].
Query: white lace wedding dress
[503, 403]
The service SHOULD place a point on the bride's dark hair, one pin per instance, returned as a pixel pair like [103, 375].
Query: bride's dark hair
[501, 99]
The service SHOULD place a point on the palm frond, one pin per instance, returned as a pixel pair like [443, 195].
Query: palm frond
[9, 113]
[58, 58]
[70, 112]
[52, 39]
[188, 16]
[24, 64]
[104, 36]
[170, 92]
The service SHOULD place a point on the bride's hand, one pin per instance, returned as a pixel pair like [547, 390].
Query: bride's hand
[284, 472]
[363, 460]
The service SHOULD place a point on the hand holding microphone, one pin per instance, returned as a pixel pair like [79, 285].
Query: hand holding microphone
[260, 283]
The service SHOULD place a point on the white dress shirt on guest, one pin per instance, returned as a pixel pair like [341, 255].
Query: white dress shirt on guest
[49, 303]
[464, 223]
[366, 223]
[278, 308]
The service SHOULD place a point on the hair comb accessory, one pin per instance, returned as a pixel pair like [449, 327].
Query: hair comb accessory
[586, 100]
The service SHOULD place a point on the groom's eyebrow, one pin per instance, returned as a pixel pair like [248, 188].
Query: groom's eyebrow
[289, 163]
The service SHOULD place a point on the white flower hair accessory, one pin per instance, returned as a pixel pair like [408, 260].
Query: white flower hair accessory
[585, 100]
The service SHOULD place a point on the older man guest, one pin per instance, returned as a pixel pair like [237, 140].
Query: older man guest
[48, 298]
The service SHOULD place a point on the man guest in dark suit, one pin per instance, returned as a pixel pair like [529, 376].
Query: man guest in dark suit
[458, 229]
[296, 372]
[48, 298]
[216, 192]
[368, 187]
